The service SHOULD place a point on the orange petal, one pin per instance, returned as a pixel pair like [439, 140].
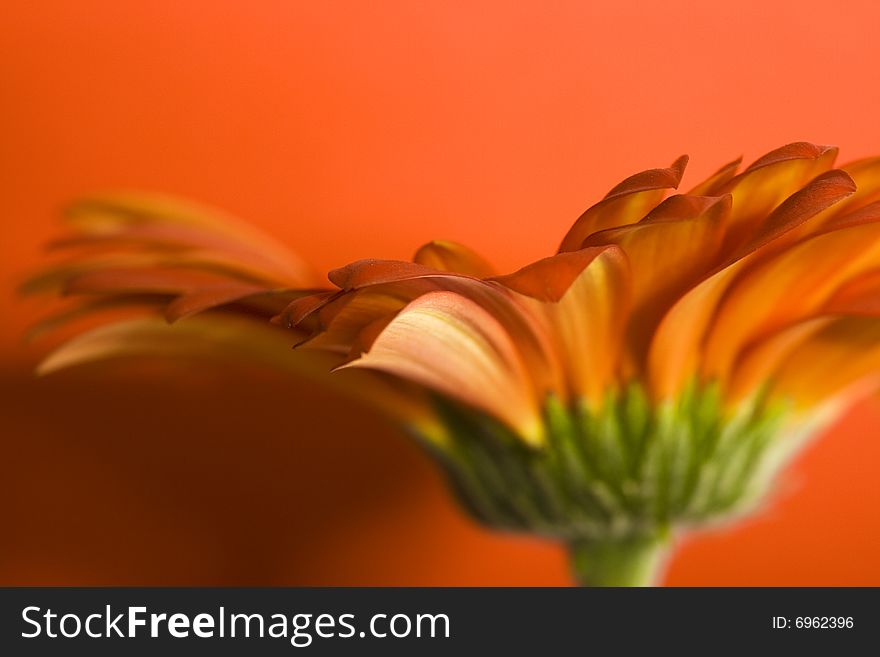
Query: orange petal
[677, 345]
[146, 280]
[799, 214]
[452, 345]
[363, 273]
[92, 307]
[841, 361]
[862, 215]
[757, 365]
[299, 309]
[54, 278]
[792, 285]
[866, 175]
[577, 304]
[167, 246]
[550, 278]
[356, 311]
[769, 181]
[212, 337]
[674, 245]
[164, 220]
[583, 299]
[859, 296]
[410, 280]
[627, 203]
[233, 338]
[676, 348]
[206, 298]
[453, 257]
[717, 180]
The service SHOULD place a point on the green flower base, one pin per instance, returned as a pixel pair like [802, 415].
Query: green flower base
[615, 483]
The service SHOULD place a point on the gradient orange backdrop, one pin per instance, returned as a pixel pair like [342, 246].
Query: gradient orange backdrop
[354, 129]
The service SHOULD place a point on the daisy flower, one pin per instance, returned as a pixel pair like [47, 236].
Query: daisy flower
[650, 377]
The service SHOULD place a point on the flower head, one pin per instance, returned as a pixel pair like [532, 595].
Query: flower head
[651, 375]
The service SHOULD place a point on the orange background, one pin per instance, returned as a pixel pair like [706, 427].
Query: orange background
[357, 129]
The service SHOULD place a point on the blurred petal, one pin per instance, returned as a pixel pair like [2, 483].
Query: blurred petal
[153, 336]
[231, 338]
[794, 284]
[858, 296]
[843, 358]
[164, 220]
[757, 365]
[627, 203]
[862, 215]
[90, 308]
[54, 278]
[154, 280]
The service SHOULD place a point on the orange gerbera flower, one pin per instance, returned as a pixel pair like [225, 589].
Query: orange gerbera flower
[650, 376]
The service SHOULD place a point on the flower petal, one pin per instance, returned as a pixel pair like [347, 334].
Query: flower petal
[769, 181]
[757, 365]
[794, 284]
[141, 280]
[550, 278]
[453, 257]
[717, 180]
[126, 217]
[677, 243]
[866, 175]
[153, 336]
[370, 271]
[625, 204]
[304, 307]
[677, 345]
[409, 281]
[862, 215]
[452, 345]
[342, 325]
[858, 296]
[583, 300]
[202, 299]
[799, 214]
[233, 338]
[844, 360]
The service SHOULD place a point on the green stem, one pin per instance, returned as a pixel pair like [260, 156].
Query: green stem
[629, 561]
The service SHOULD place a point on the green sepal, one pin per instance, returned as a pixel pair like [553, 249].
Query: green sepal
[621, 469]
